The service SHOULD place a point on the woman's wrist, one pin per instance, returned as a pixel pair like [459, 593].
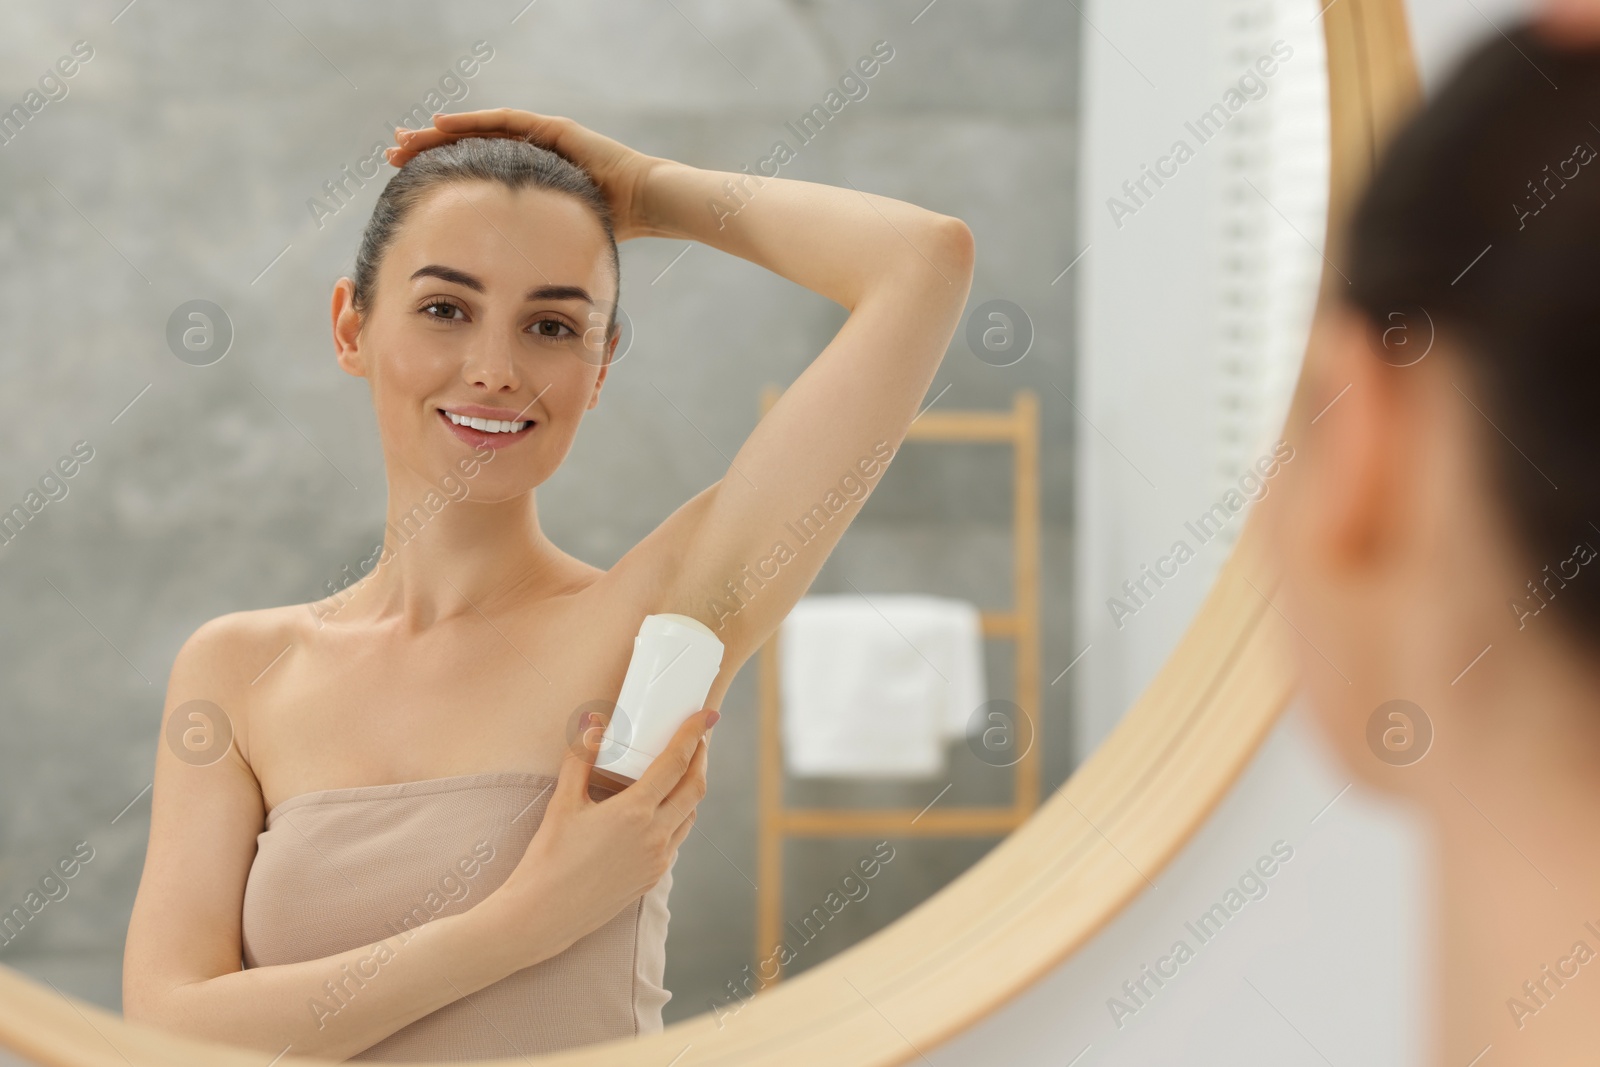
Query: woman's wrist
[657, 208]
[512, 930]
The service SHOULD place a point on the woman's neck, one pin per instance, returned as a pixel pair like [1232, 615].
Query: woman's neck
[1515, 799]
[448, 555]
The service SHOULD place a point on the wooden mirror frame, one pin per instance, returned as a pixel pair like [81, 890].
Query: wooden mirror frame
[1044, 890]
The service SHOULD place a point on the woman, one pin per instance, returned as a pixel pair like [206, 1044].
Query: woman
[436, 874]
[1439, 534]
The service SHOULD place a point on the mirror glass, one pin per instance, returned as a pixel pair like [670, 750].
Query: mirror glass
[1146, 188]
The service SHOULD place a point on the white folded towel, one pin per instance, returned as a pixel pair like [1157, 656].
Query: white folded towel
[873, 686]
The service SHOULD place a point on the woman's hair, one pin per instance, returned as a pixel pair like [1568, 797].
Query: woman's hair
[513, 163]
[1484, 217]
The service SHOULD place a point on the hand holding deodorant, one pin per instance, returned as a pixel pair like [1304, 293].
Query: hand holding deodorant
[675, 660]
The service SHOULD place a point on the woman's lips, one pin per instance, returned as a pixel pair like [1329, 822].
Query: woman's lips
[483, 438]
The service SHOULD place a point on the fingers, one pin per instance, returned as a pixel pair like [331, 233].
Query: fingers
[412, 142]
[494, 122]
[691, 788]
[502, 120]
[682, 804]
[667, 769]
[418, 140]
[578, 761]
[682, 831]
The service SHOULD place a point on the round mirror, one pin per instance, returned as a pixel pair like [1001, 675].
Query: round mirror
[956, 736]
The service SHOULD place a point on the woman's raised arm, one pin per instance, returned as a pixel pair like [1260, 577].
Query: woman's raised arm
[763, 531]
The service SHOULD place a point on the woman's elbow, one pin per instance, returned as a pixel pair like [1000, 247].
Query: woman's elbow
[137, 1007]
[937, 263]
[142, 1002]
[152, 996]
[957, 243]
[944, 254]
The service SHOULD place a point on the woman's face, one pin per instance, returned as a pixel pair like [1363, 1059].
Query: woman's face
[490, 304]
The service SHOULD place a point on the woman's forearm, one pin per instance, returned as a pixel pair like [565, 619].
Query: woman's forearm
[835, 241]
[342, 1004]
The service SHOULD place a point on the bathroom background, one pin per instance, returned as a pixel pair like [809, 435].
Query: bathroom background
[184, 162]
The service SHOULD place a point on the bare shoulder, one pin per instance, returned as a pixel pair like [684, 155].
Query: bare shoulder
[222, 659]
[228, 650]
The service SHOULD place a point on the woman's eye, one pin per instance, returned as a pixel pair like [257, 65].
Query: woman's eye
[440, 309]
[542, 329]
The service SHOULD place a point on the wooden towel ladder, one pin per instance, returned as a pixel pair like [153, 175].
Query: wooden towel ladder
[1019, 428]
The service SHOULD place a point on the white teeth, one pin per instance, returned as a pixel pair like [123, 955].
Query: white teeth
[488, 425]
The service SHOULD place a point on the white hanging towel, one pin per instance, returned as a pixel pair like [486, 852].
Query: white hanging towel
[873, 686]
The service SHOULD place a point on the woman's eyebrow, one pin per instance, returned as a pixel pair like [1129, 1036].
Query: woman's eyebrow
[538, 292]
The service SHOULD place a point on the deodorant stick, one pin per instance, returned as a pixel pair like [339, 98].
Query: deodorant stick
[675, 660]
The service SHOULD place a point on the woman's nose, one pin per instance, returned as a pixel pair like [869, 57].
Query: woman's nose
[492, 365]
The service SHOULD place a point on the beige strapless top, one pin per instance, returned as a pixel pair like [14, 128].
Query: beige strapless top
[342, 868]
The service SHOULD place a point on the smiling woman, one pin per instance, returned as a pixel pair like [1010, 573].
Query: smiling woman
[444, 706]
[461, 188]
